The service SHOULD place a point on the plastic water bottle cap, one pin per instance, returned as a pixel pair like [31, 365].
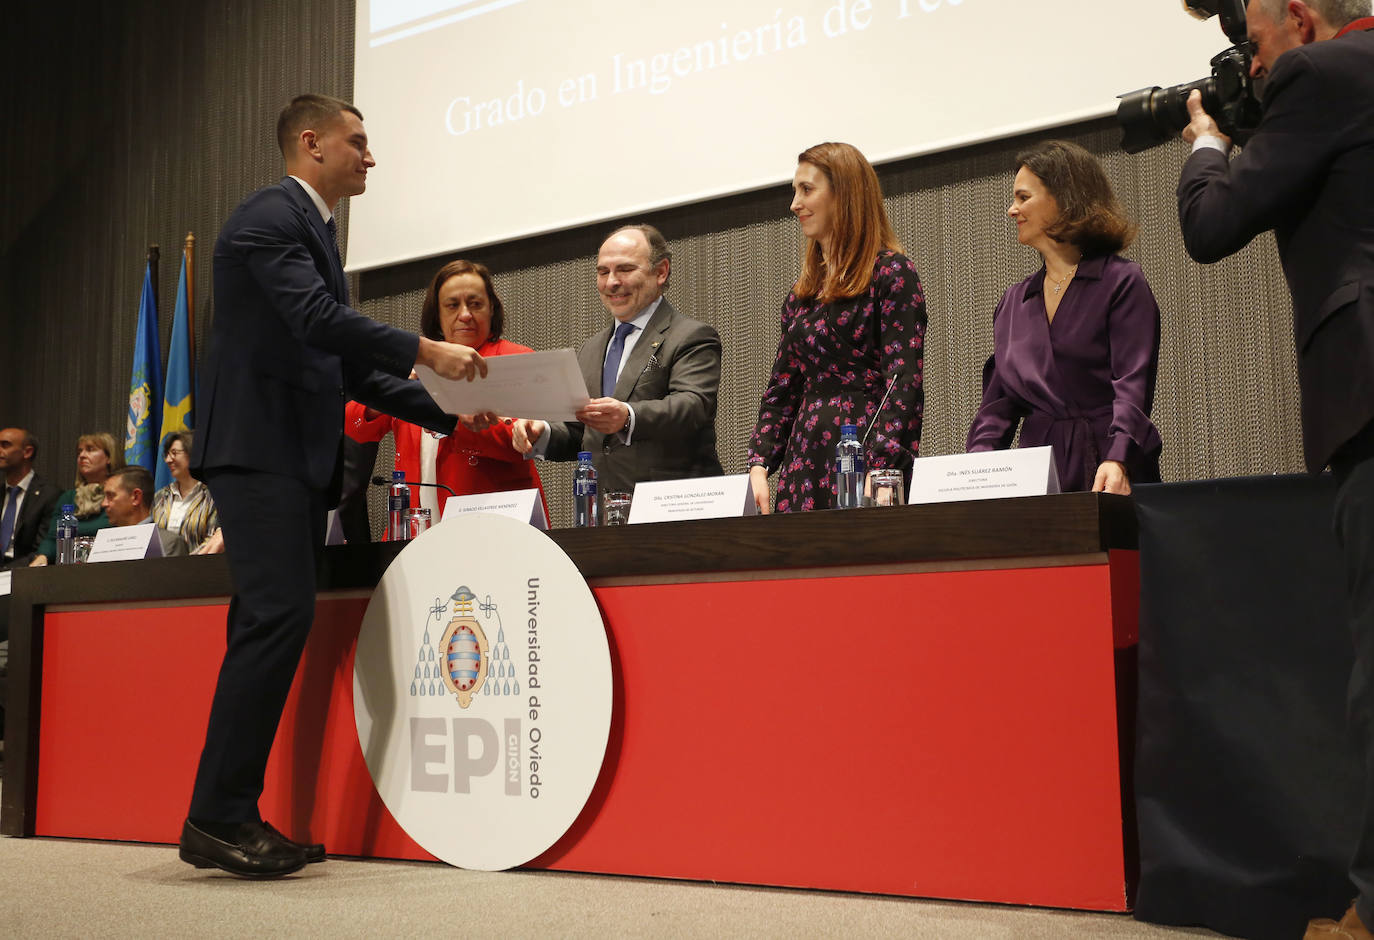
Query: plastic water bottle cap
[849, 430]
[584, 456]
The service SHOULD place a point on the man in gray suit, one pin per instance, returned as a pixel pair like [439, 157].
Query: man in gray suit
[653, 375]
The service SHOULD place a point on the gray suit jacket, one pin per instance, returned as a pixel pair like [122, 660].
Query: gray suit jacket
[671, 378]
[1306, 174]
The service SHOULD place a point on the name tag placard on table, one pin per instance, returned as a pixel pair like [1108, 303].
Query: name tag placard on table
[992, 474]
[522, 505]
[126, 543]
[695, 498]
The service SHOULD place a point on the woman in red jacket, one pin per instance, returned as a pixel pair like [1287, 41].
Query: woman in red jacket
[460, 306]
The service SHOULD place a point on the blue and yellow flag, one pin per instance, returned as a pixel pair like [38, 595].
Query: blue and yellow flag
[145, 385]
[178, 405]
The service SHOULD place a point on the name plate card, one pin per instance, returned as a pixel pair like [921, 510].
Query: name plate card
[696, 498]
[992, 474]
[521, 505]
[126, 543]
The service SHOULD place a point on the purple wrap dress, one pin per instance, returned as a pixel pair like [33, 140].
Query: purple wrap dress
[837, 363]
[1083, 384]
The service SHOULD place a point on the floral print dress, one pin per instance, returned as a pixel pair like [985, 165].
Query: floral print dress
[835, 365]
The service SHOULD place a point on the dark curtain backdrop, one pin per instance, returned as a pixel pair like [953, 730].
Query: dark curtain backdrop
[134, 123]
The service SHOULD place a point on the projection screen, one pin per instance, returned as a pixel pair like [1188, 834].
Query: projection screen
[496, 119]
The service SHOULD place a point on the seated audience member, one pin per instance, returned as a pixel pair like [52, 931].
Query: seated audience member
[1075, 345]
[96, 456]
[461, 306]
[185, 506]
[126, 503]
[27, 504]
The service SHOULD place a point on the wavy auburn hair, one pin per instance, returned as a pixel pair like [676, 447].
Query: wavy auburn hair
[429, 311]
[1090, 217]
[859, 226]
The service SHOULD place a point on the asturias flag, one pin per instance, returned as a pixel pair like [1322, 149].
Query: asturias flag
[178, 405]
[145, 385]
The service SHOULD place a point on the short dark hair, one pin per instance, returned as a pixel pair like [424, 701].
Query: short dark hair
[658, 245]
[1090, 217]
[133, 478]
[306, 111]
[175, 437]
[429, 311]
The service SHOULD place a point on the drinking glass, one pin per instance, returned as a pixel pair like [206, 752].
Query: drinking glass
[417, 521]
[887, 487]
[615, 507]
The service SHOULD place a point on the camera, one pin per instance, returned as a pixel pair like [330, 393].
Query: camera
[1151, 116]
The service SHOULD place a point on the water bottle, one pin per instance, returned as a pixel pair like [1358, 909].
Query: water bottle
[66, 535]
[849, 469]
[584, 491]
[398, 507]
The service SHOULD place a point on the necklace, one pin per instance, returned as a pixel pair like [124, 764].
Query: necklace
[1059, 284]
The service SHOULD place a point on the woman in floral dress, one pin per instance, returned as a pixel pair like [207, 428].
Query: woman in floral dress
[853, 330]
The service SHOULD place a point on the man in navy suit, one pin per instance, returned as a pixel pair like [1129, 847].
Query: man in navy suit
[286, 352]
[1308, 174]
[27, 503]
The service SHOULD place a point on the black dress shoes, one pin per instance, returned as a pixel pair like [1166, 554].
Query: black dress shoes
[256, 850]
[314, 851]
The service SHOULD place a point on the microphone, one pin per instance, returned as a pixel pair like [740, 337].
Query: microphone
[380, 480]
[864, 442]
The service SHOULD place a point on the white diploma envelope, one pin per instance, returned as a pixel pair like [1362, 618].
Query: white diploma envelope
[544, 385]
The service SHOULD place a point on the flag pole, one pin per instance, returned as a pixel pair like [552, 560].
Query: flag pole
[190, 251]
[153, 253]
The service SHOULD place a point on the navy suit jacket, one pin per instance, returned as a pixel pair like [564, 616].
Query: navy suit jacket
[671, 377]
[1308, 173]
[31, 524]
[287, 351]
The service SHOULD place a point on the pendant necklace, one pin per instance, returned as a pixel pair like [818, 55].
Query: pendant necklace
[1059, 284]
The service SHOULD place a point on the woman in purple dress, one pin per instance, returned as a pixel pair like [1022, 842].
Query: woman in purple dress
[1075, 345]
[853, 329]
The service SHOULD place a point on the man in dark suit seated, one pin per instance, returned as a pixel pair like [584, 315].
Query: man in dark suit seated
[28, 500]
[652, 374]
[286, 352]
[1308, 174]
[129, 501]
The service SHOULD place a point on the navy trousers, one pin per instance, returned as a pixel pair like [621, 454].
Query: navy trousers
[273, 534]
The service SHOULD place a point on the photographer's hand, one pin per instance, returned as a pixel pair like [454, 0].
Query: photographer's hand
[1202, 124]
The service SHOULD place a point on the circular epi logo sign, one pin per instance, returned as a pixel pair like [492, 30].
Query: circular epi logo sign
[482, 691]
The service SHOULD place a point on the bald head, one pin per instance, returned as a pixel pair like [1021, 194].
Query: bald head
[18, 448]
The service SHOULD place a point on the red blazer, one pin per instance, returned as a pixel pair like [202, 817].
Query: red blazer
[469, 461]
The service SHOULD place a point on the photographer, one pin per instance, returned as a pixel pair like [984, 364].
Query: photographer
[1308, 173]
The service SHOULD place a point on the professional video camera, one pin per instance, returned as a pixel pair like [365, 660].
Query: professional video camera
[1151, 116]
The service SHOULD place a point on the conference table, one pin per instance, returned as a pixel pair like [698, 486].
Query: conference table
[930, 701]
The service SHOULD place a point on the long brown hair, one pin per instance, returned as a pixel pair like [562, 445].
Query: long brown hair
[859, 226]
[1090, 216]
[429, 311]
